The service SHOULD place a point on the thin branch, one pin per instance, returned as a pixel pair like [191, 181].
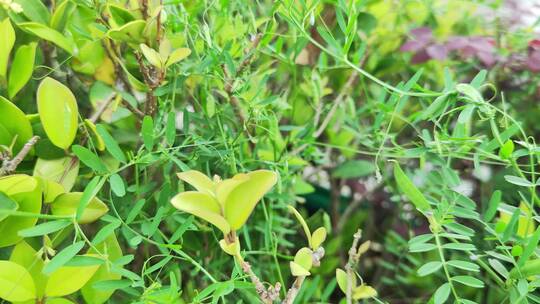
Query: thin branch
[351, 263]
[267, 296]
[9, 166]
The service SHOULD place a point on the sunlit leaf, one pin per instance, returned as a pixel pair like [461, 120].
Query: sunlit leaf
[21, 68]
[58, 112]
[202, 205]
[16, 284]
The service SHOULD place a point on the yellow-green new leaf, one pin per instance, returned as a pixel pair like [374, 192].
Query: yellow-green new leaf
[198, 180]
[152, 56]
[318, 237]
[232, 248]
[58, 112]
[406, 186]
[302, 222]
[342, 279]
[67, 280]
[131, 32]
[202, 205]
[304, 258]
[63, 171]
[364, 292]
[177, 55]
[224, 188]
[298, 270]
[7, 39]
[26, 256]
[16, 284]
[243, 199]
[67, 204]
[47, 33]
[21, 68]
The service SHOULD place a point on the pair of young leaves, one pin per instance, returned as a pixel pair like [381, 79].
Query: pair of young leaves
[227, 203]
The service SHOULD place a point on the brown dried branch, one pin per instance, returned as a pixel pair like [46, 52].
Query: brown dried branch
[267, 296]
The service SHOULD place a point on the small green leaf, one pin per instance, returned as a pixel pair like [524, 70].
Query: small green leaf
[354, 169]
[441, 294]
[62, 258]
[507, 149]
[429, 268]
[111, 144]
[7, 38]
[170, 131]
[470, 91]
[529, 268]
[16, 284]
[342, 280]
[147, 131]
[493, 205]
[409, 189]
[298, 270]
[49, 34]
[511, 226]
[519, 181]
[464, 265]
[304, 258]
[44, 228]
[117, 185]
[531, 246]
[318, 237]
[364, 292]
[469, 281]
[58, 112]
[21, 68]
[88, 158]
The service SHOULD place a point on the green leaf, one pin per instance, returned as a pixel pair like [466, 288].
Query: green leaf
[111, 144]
[44, 228]
[6, 205]
[24, 255]
[69, 203]
[531, 246]
[131, 32]
[104, 273]
[354, 169]
[499, 267]
[511, 226]
[342, 280]
[117, 185]
[529, 268]
[304, 258]
[58, 112]
[170, 131]
[507, 149]
[21, 68]
[26, 191]
[17, 125]
[177, 55]
[519, 181]
[493, 205]
[88, 158]
[421, 247]
[152, 56]
[16, 284]
[69, 279]
[429, 268]
[470, 91]
[7, 39]
[35, 10]
[61, 15]
[202, 205]
[318, 237]
[298, 270]
[242, 200]
[406, 186]
[198, 180]
[441, 294]
[464, 265]
[147, 131]
[459, 246]
[62, 258]
[63, 171]
[49, 34]
[469, 281]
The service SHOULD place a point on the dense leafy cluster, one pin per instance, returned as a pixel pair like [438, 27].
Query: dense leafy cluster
[268, 152]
